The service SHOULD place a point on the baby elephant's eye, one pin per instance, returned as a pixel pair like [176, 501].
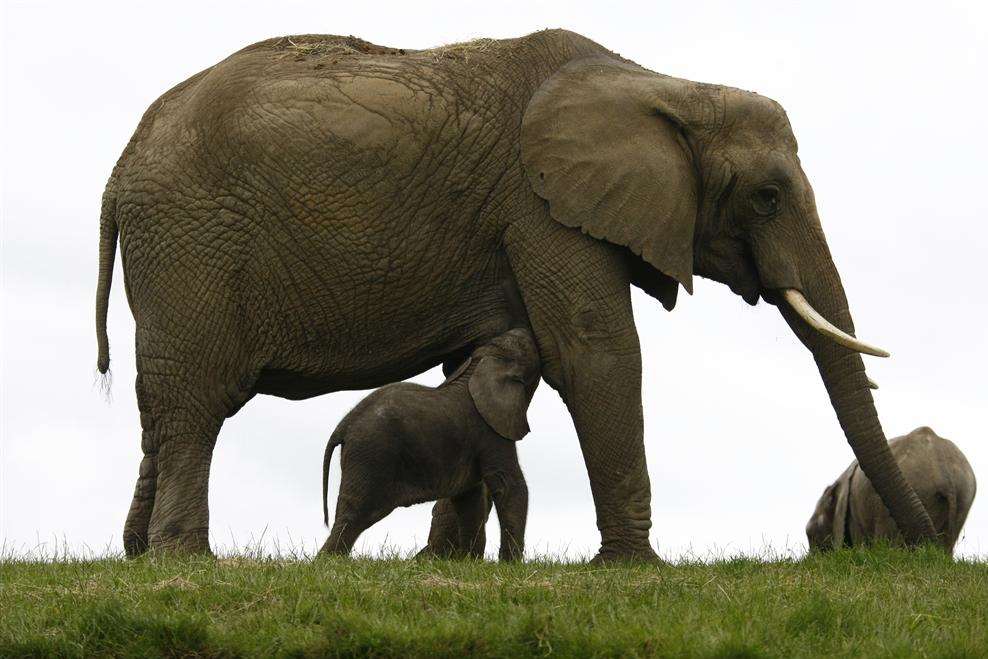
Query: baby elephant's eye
[766, 200]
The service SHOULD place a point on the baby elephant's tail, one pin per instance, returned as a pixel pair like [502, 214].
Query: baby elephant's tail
[327, 456]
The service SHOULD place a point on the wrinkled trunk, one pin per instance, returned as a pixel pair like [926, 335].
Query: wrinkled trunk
[843, 374]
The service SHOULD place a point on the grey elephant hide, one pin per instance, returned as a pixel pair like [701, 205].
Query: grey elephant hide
[849, 513]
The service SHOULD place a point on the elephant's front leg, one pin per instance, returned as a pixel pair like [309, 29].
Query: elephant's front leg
[576, 290]
[458, 526]
[444, 532]
[602, 390]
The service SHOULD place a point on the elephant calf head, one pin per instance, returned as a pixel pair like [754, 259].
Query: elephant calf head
[502, 377]
[850, 512]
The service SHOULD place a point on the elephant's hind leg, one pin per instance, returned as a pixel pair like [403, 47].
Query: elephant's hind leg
[352, 519]
[135, 536]
[183, 401]
[180, 517]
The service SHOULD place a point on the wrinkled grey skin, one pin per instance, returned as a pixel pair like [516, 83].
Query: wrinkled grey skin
[406, 444]
[849, 513]
[317, 213]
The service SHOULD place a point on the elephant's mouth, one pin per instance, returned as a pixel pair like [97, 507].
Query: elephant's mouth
[749, 285]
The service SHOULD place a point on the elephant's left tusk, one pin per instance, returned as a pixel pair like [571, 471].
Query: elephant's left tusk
[806, 311]
[871, 383]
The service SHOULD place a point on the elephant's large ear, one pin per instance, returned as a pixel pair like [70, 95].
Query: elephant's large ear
[605, 143]
[498, 392]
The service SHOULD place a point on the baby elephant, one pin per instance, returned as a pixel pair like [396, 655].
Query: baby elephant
[406, 444]
[851, 513]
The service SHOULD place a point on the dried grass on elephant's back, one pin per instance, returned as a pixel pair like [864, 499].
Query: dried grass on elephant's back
[463, 50]
[304, 46]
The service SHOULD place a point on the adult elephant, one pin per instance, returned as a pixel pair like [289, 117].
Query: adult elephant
[317, 213]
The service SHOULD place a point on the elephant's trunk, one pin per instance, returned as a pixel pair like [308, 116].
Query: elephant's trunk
[843, 374]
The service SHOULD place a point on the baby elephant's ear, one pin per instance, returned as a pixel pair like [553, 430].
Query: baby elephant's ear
[457, 372]
[498, 392]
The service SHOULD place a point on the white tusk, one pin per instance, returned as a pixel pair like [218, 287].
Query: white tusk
[821, 325]
[871, 383]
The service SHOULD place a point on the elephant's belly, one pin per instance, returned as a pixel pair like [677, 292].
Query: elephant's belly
[384, 336]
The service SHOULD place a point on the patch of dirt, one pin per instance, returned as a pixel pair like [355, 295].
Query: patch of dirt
[236, 561]
[177, 583]
[439, 581]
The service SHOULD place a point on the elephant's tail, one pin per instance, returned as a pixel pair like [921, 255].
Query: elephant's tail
[327, 456]
[107, 254]
[952, 530]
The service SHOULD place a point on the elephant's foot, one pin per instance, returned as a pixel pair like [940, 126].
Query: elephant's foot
[135, 542]
[336, 546]
[328, 549]
[444, 534]
[626, 551]
[443, 552]
[194, 542]
[443, 548]
[643, 555]
[135, 534]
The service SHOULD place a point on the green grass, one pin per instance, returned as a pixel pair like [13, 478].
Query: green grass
[881, 602]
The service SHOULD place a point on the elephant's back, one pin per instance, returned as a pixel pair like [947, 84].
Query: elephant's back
[480, 69]
[937, 470]
[335, 113]
[936, 463]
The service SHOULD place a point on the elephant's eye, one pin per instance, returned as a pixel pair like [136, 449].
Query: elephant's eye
[765, 200]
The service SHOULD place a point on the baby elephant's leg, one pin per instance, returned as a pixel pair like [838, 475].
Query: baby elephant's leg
[343, 536]
[350, 522]
[472, 509]
[443, 532]
[509, 491]
[361, 504]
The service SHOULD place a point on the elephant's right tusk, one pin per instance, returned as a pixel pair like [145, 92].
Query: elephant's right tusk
[806, 311]
[871, 383]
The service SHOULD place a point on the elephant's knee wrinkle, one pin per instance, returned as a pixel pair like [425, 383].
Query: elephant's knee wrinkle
[603, 367]
[496, 482]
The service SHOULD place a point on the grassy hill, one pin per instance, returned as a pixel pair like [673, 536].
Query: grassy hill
[880, 602]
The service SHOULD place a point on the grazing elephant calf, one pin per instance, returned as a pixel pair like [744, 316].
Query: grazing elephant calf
[406, 444]
[850, 512]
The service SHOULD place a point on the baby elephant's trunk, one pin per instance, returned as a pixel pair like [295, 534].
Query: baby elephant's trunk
[327, 456]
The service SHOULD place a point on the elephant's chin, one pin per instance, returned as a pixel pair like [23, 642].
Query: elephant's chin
[748, 285]
[748, 291]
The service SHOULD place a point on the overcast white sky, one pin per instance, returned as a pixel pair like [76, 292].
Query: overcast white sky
[888, 102]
